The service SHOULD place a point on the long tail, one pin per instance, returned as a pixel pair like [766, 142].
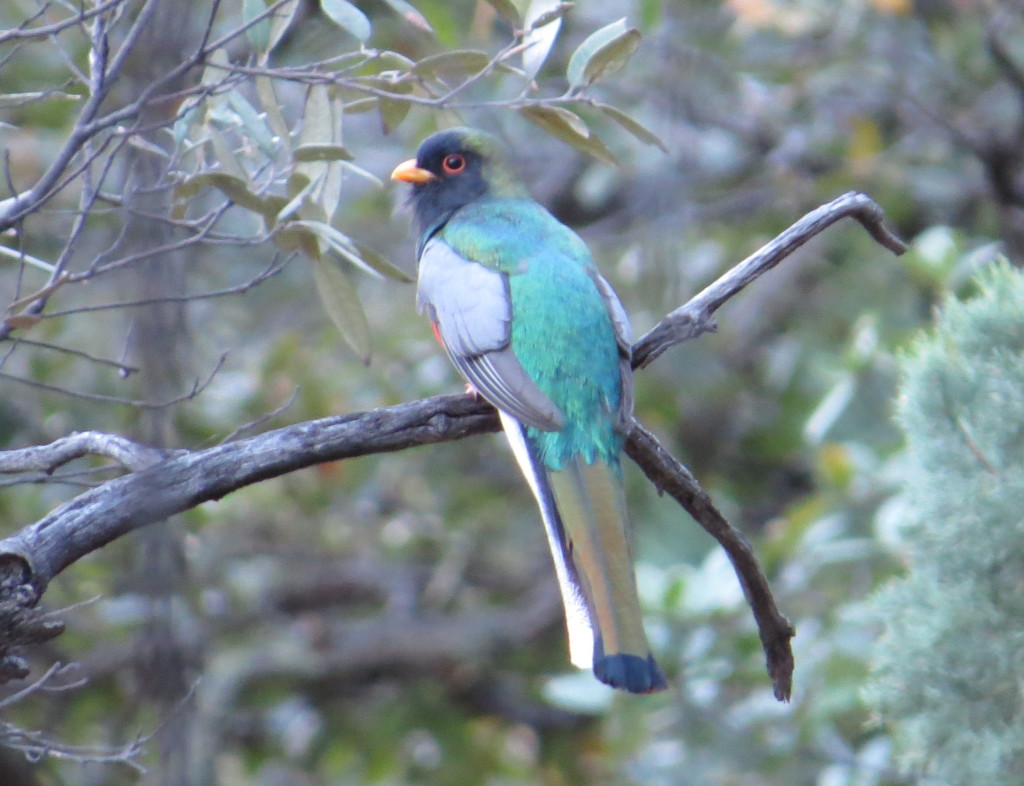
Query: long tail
[584, 516]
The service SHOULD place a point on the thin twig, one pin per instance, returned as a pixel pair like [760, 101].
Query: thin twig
[122, 367]
[29, 33]
[252, 425]
[197, 388]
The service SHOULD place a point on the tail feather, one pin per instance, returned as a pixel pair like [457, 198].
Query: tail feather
[590, 500]
[584, 517]
[633, 673]
[577, 616]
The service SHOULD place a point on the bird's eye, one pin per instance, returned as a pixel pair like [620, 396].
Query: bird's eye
[454, 163]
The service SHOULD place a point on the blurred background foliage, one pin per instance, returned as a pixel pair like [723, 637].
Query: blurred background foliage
[391, 619]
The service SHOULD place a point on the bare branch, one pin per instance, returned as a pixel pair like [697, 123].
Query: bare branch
[197, 387]
[16, 207]
[275, 267]
[252, 425]
[124, 368]
[697, 315]
[22, 32]
[46, 458]
[97, 517]
[670, 475]
[56, 670]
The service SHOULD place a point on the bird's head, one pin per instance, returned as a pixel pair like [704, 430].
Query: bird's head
[453, 168]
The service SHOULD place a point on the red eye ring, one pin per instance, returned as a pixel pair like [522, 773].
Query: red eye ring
[454, 163]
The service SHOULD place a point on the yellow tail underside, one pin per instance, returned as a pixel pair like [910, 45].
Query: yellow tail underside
[590, 500]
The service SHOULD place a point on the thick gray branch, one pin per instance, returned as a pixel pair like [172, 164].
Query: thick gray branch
[93, 519]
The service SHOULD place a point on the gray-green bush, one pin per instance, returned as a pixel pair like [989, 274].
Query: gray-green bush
[949, 671]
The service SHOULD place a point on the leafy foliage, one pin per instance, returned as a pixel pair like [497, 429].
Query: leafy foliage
[947, 670]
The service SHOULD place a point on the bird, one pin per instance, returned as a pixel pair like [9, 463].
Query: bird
[518, 303]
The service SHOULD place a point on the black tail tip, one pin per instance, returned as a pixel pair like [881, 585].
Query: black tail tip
[633, 673]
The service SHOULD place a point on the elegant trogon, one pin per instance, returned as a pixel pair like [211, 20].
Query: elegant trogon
[525, 316]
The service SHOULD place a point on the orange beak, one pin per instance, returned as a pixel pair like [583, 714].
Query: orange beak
[408, 172]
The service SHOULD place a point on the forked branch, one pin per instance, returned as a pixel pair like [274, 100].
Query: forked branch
[696, 316]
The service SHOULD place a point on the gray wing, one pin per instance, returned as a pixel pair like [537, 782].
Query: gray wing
[472, 308]
[624, 338]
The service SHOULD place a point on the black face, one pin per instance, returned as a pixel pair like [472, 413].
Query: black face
[460, 180]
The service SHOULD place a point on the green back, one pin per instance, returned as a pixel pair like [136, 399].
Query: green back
[562, 333]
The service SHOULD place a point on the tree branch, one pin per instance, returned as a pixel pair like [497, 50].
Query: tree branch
[93, 519]
[32, 557]
[670, 475]
[696, 316]
[46, 458]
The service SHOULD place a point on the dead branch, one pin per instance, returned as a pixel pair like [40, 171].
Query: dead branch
[46, 458]
[23, 32]
[696, 316]
[670, 475]
[32, 557]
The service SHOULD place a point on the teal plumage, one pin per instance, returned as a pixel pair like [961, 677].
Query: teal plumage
[568, 344]
[524, 314]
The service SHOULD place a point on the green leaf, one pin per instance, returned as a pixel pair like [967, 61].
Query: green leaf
[552, 14]
[506, 9]
[224, 154]
[259, 33]
[215, 67]
[339, 243]
[293, 205]
[317, 117]
[603, 52]
[641, 132]
[341, 301]
[291, 238]
[321, 125]
[361, 105]
[281, 20]
[392, 112]
[569, 127]
[395, 61]
[543, 21]
[467, 60]
[410, 14]
[348, 17]
[381, 264]
[234, 188]
[268, 101]
[315, 152]
[357, 170]
[253, 125]
[296, 182]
